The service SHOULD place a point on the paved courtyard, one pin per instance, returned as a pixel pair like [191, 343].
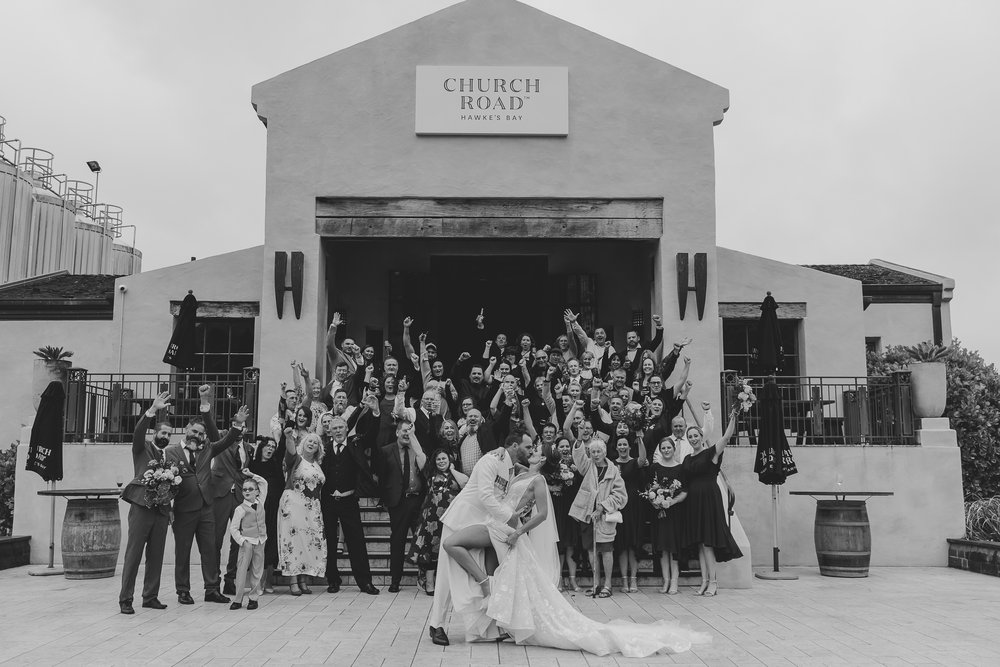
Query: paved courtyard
[897, 616]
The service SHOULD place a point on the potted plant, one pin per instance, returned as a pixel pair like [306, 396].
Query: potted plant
[928, 378]
[52, 364]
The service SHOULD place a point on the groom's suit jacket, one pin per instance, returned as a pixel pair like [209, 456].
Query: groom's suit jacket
[482, 497]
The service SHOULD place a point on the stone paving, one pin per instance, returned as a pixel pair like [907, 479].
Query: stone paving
[897, 616]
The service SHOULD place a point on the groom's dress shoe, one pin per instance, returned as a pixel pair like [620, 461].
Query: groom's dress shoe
[126, 608]
[153, 604]
[438, 636]
[185, 598]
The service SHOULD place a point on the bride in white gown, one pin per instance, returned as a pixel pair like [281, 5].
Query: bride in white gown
[524, 599]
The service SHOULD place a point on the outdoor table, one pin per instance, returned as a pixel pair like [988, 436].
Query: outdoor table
[91, 532]
[842, 532]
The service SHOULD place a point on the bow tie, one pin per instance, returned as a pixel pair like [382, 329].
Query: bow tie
[253, 506]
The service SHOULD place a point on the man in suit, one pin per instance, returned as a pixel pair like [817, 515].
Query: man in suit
[194, 516]
[147, 526]
[345, 466]
[227, 487]
[399, 464]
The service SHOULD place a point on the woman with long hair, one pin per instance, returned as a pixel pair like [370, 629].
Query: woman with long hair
[268, 464]
[668, 518]
[629, 534]
[444, 482]
[301, 542]
[563, 481]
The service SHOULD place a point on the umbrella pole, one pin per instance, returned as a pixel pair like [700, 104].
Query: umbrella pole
[776, 574]
[51, 569]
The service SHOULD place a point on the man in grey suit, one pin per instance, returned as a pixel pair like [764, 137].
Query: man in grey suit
[147, 526]
[194, 516]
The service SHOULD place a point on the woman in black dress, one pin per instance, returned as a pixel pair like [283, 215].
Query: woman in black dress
[629, 535]
[705, 524]
[269, 466]
[564, 481]
[443, 484]
[668, 518]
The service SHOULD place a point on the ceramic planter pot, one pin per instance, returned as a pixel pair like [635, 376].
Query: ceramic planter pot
[44, 373]
[929, 386]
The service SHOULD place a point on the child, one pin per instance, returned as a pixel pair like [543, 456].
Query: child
[249, 531]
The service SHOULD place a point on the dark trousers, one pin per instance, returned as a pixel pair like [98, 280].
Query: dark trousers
[222, 509]
[147, 530]
[190, 526]
[346, 511]
[402, 519]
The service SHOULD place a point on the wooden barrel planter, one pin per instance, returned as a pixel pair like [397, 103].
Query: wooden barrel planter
[843, 538]
[91, 538]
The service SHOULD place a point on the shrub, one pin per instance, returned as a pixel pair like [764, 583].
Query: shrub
[8, 463]
[982, 520]
[973, 406]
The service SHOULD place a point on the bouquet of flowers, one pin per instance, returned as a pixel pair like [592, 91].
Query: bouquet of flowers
[162, 482]
[634, 416]
[561, 478]
[746, 397]
[660, 495]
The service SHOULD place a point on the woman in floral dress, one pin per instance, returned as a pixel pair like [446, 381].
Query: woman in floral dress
[443, 484]
[301, 543]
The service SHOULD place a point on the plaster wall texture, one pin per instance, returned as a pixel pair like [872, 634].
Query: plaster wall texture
[344, 126]
[831, 338]
[903, 323]
[92, 343]
[908, 529]
[144, 309]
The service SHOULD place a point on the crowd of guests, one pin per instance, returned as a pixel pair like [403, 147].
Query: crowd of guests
[626, 472]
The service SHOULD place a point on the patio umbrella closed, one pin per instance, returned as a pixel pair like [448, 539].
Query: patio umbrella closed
[774, 462]
[180, 350]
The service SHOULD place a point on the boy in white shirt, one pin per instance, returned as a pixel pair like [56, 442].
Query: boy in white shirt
[249, 531]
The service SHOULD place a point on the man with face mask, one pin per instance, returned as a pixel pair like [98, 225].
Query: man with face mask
[194, 517]
[147, 527]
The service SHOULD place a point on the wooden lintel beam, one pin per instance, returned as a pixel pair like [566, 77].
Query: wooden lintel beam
[477, 227]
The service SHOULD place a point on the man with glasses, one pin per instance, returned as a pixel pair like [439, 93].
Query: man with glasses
[194, 516]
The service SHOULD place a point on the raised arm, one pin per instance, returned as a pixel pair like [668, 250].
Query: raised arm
[160, 402]
[232, 435]
[407, 343]
[529, 423]
[658, 337]
[720, 446]
[682, 380]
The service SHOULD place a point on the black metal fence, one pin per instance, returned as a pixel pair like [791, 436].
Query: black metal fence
[105, 407]
[872, 410]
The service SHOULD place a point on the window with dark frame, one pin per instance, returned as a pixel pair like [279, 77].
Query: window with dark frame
[738, 341]
[223, 344]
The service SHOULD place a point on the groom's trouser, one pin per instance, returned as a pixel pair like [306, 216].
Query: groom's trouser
[402, 519]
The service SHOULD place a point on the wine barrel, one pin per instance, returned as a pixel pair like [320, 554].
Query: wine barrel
[91, 538]
[843, 538]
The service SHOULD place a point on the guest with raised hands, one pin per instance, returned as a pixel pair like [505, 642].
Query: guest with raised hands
[597, 345]
[301, 543]
[444, 482]
[705, 524]
[288, 403]
[563, 480]
[267, 463]
[634, 347]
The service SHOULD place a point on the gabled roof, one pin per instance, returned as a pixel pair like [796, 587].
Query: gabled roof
[873, 274]
[59, 296]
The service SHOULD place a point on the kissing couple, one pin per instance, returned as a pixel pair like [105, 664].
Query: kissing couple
[505, 509]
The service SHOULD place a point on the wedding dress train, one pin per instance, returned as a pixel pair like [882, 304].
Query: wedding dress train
[525, 602]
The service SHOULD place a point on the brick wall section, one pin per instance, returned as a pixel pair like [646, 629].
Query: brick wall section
[982, 557]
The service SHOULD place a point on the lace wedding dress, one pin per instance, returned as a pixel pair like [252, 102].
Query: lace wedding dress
[526, 603]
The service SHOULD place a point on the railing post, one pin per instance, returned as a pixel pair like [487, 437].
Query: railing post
[903, 423]
[251, 395]
[76, 400]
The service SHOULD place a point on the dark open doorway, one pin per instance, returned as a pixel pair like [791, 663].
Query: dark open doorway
[512, 290]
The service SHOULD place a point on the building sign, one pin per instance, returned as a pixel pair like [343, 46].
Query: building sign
[492, 100]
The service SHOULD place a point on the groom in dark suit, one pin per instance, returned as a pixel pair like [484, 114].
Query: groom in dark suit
[399, 464]
[147, 527]
[194, 517]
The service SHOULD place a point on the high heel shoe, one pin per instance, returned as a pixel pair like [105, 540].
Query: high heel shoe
[702, 588]
[304, 585]
[665, 588]
[633, 584]
[673, 588]
[294, 589]
[713, 588]
[574, 585]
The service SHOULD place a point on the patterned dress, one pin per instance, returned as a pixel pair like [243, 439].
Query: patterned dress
[442, 489]
[301, 544]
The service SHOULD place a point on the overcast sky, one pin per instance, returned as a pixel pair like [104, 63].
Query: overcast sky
[856, 129]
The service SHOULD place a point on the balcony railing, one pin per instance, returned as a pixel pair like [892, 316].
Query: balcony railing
[872, 410]
[105, 407]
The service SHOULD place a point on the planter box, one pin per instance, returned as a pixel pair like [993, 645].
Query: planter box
[15, 551]
[982, 557]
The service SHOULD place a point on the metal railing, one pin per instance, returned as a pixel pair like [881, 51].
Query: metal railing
[105, 407]
[873, 410]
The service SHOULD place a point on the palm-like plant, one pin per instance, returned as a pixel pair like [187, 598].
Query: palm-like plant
[50, 353]
[928, 351]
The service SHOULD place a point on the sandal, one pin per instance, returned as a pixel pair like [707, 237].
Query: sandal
[712, 589]
[573, 585]
[633, 585]
[604, 592]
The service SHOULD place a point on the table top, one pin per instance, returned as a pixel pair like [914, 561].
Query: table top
[71, 493]
[840, 495]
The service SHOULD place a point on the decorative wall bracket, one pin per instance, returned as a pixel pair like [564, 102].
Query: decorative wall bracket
[700, 288]
[280, 269]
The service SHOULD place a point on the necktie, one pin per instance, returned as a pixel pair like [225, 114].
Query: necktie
[340, 448]
[406, 465]
[192, 456]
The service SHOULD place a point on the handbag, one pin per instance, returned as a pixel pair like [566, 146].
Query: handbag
[614, 517]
